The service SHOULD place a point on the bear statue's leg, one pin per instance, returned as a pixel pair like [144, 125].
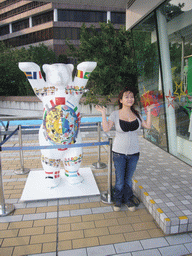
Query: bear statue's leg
[72, 161]
[50, 159]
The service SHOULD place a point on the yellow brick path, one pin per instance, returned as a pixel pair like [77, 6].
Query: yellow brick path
[97, 223]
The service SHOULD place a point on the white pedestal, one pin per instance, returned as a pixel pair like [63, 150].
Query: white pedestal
[35, 187]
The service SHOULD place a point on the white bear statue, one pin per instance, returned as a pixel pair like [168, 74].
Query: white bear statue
[61, 116]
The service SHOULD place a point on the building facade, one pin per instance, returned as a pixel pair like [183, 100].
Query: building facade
[165, 70]
[24, 23]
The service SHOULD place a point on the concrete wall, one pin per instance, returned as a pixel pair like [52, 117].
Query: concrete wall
[33, 107]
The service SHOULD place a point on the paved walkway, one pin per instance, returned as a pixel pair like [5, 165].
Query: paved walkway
[87, 227]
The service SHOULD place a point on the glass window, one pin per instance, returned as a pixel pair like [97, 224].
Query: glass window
[118, 17]
[75, 34]
[179, 30]
[149, 79]
[19, 25]
[174, 104]
[4, 30]
[42, 18]
[82, 16]
[21, 9]
[67, 33]
[34, 37]
[8, 2]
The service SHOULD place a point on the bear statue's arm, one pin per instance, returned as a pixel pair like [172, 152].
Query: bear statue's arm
[34, 76]
[84, 70]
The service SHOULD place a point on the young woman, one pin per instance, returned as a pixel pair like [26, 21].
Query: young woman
[127, 123]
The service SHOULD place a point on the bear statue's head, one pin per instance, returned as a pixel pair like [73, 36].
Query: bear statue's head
[58, 74]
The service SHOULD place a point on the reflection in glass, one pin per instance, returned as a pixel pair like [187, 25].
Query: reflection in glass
[179, 29]
[149, 79]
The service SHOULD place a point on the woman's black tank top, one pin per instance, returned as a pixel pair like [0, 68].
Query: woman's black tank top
[129, 126]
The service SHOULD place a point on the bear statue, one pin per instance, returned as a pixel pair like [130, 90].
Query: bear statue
[61, 116]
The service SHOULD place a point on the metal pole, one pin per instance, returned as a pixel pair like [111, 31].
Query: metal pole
[106, 197]
[182, 57]
[167, 79]
[99, 165]
[22, 170]
[5, 209]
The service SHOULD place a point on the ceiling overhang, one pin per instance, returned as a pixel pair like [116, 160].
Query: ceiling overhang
[101, 3]
[137, 10]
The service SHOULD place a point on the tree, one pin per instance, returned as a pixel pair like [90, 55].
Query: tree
[173, 10]
[10, 80]
[13, 82]
[41, 54]
[145, 54]
[113, 51]
[62, 58]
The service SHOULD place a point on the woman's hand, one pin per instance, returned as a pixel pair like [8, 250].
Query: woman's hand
[107, 125]
[147, 124]
[150, 107]
[100, 109]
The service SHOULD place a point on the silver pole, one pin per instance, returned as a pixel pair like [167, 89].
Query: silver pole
[182, 57]
[99, 165]
[22, 170]
[106, 197]
[5, 209]
[167, 79]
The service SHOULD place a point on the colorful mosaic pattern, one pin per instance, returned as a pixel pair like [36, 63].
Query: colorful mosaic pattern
[73, 160]
[50, 162]
[82, 74]
[33, 75]
[71, 174]
[52, 175]
[45, 91]
[61, 124]
[148, 98]
[74, 90]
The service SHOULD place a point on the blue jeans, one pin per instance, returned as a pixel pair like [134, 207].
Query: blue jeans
[125, 166]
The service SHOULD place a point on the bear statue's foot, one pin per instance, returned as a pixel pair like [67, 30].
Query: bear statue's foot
[74, 180]
[52, 183]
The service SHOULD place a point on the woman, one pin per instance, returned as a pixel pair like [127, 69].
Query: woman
[127, 123]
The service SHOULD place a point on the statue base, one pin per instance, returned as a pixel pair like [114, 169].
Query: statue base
[74, 180]
[36, 189]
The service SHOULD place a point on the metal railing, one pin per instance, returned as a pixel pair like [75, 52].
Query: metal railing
[21, 170]
[6, 209]
[107, 197]
[99, 164]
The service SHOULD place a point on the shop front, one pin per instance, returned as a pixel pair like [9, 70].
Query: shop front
[162, 32]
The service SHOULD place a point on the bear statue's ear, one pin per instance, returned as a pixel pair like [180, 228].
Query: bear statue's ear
[45, 68]
[71, 67]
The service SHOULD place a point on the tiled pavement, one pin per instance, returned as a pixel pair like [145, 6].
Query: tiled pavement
[164, 184]
[85, 226]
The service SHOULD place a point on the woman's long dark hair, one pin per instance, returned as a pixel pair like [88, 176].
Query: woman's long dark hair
[134, 91]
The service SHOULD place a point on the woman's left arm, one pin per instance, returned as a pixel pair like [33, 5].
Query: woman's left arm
[147, 124]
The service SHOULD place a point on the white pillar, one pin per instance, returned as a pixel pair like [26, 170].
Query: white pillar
[55, 15]
[30, 22]
[167, 80]
[108, 16]
[10, 28]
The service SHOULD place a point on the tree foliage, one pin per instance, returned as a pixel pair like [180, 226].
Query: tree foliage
[173, 10]
[13, 82]
[146, 54]
[113, 51]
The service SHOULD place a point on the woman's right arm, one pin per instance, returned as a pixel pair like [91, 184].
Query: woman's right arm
[107, 125]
